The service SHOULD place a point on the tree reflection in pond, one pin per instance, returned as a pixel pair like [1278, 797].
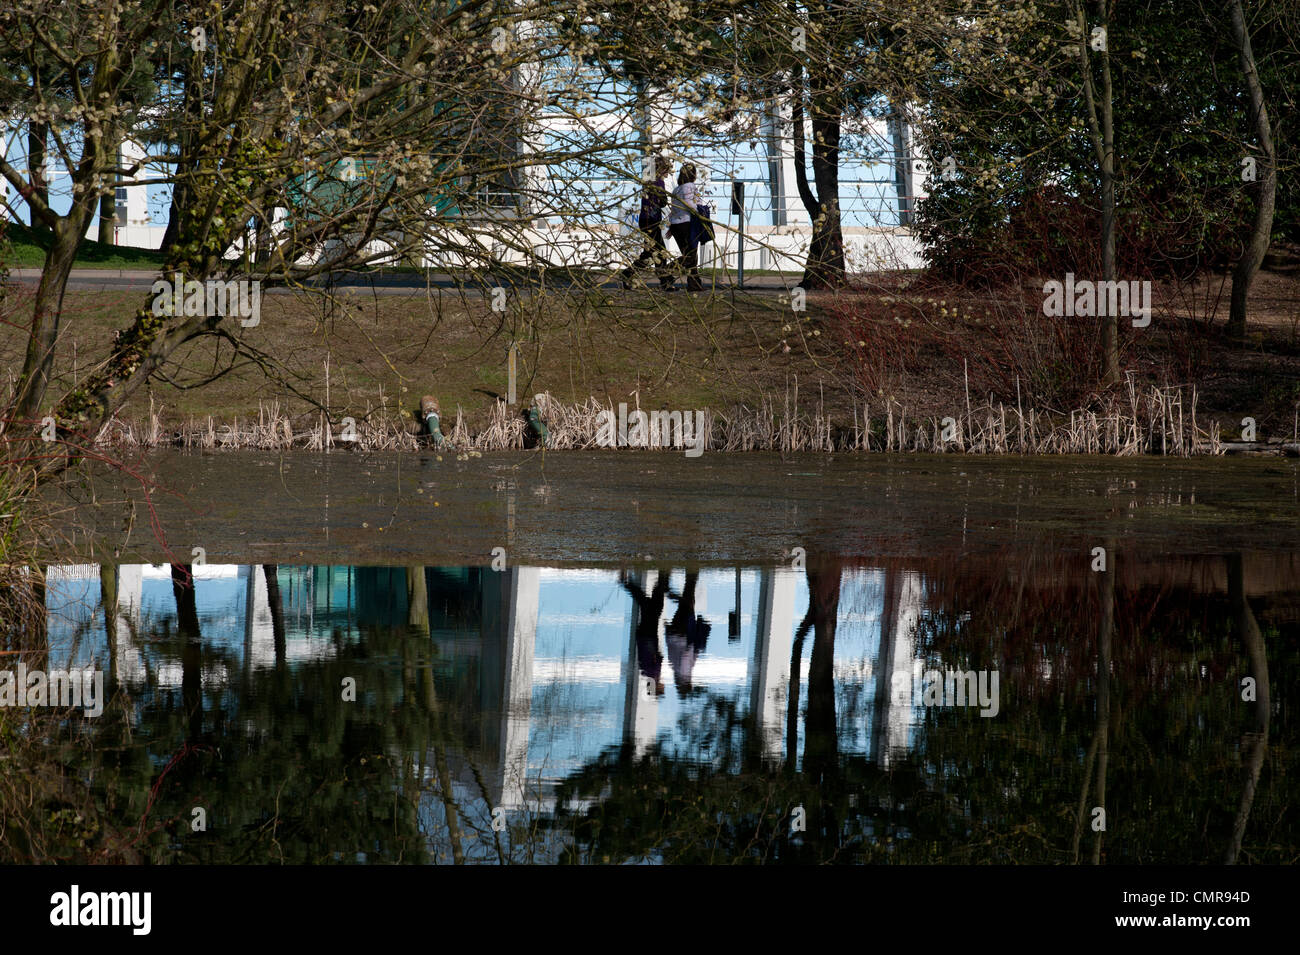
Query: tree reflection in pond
[520, 716]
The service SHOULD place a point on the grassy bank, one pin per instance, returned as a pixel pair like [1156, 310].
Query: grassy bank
[900, 365]
[26, 248]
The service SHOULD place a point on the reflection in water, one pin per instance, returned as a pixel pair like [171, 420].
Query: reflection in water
[648, 610]
[687, 634]
[525, 715]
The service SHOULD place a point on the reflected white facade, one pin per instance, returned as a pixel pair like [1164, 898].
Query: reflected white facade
[557, 650]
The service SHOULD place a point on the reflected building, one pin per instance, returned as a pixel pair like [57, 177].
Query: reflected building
[769, 683]
[533, 689]
[898, 668]
[561, 664]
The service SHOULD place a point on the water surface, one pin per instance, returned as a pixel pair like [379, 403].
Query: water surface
[657, 715]
[639, 657]
[584, 508]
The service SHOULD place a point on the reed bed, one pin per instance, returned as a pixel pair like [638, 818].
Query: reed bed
[1159, 421]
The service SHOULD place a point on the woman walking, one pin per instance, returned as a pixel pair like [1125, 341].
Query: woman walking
[653, 198]
[684, 209]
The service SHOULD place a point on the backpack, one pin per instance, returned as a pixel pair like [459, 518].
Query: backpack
[702, 225]
[653, 199]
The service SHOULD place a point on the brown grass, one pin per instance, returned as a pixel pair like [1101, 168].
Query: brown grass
[878, 367]
[1158, 421]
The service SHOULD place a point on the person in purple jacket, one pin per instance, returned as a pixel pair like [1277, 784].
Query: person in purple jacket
[654, 196]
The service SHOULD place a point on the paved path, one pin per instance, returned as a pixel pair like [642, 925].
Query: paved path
[389, 283]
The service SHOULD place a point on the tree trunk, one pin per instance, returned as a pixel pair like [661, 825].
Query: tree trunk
[1105, 631]
[68, 233]
[825, 265]
[187, 628]
[1110, 323]
[108, 601]
[37, 135]
[275, 602]
[108, 201]
[806, 196]
[821, 749]
[107, 218]
[257, 251]
[46, 309]
[821, 760]
[1255, 742]
[792, 698]
[193, 113]
[173, 222]
[417, 601]
[36, 634]
[1101, 130]
[1262, 227]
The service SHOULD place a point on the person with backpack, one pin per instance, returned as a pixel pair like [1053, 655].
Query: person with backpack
[682, 214]
[654, 196]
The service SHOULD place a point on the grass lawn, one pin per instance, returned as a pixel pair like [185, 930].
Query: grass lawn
[26, 249]
[924, 349]
[370, 352]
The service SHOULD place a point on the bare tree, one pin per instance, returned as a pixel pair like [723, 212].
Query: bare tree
[1101, 131]
[1261, 229]
[325, 138]
[80, 56]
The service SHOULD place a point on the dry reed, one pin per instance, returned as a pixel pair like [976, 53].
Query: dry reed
[1159, 421]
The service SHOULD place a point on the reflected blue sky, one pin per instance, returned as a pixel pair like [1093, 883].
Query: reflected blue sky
[576, 682]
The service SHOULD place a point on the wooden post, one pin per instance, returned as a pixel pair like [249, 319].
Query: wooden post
[512, 373]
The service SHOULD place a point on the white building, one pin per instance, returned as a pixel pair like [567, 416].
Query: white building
[141, 210]
[572, 214]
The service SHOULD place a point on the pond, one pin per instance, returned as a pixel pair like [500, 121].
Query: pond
[642, 658]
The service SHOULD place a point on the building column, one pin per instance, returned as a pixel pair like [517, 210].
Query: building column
[128, 662]
[510, 609]
[769, 673]
[640, 703]
[259, 630]
[897, 668]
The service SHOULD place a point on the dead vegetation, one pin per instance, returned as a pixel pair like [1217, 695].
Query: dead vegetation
[1158, 421]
